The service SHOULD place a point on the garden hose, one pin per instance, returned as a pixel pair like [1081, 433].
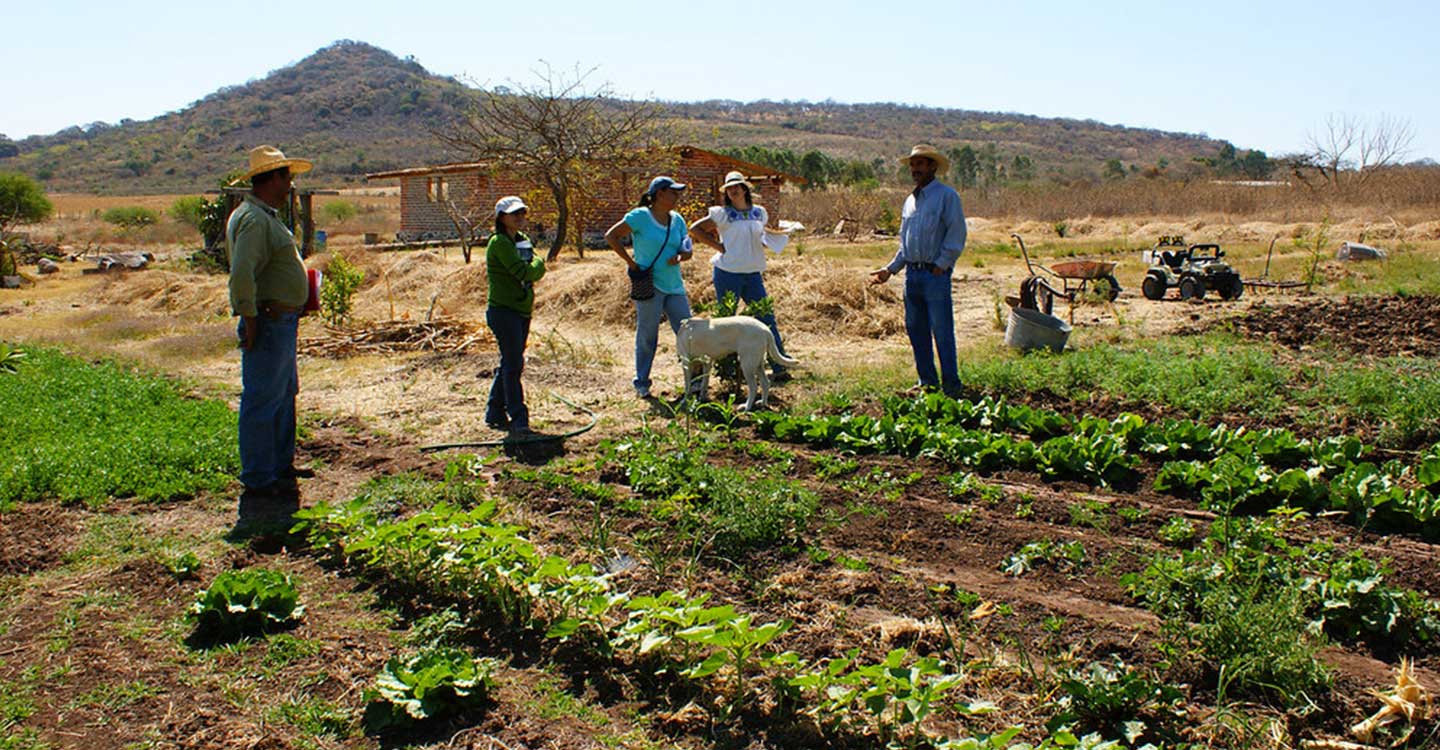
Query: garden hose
[532, 438]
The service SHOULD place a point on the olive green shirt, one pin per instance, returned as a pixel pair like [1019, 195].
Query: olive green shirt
[265, 264]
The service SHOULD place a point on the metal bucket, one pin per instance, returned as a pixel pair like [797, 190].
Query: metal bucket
[1032, 329]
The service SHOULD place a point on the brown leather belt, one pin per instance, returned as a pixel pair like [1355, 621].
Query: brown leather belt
[275, 309]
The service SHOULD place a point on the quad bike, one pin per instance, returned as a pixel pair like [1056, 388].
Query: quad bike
[1193, 269]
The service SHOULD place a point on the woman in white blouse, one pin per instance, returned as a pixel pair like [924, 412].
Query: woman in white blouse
[740, 262]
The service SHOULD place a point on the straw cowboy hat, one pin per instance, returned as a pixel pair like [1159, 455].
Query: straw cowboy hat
[942, 164]
[266, 158]
[735, 178]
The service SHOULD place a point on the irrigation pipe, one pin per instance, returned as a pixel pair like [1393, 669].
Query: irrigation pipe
[528, 439]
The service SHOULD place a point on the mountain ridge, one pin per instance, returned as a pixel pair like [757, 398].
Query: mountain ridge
[355, 108]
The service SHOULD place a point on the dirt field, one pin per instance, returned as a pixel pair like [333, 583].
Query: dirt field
[108, 637]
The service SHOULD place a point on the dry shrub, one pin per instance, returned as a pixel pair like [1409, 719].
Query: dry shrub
[821, 210]
[1429, 230]
[167, 291]
[1406, 194]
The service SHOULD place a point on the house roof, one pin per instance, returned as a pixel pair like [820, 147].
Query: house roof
[752, 170]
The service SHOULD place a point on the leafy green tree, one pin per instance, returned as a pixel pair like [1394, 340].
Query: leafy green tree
[337, 212]
[1022, 168]
[1256, 165]
[22, 201]
[1113, 170]
[965, 166]
[818, 169]
[188, 210]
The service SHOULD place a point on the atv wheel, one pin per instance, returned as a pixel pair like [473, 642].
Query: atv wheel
[1153, 287]
[1191, 287]
[1112, 287]
[1232, 289]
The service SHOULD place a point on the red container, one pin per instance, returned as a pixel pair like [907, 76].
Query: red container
[315, 278]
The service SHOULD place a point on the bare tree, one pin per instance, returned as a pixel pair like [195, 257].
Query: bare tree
[1348, 150]
[561, 133]
[467, 225]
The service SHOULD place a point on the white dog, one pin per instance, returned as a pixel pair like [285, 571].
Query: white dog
[703, 342]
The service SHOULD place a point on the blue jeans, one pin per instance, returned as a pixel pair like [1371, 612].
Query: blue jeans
[676, 308]
[748, 288]
[507, 396]
[269, 381]
[930, 312]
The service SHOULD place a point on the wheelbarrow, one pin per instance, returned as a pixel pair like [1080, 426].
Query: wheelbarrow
[1039, 293]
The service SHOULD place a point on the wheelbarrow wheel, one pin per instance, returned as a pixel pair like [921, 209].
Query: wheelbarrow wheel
[1112, 287]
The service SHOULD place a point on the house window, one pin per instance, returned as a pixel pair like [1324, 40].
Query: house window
[437, 190]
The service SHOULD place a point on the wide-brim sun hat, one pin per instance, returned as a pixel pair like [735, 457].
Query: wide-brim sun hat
[509, 205]
[736, 178]
[662, 182]
[268, 158]
[942, 162]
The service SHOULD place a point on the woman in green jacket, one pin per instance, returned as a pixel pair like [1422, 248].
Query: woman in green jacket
[513, 268]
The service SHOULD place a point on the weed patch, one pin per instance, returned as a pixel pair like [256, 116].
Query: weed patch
[86, 432]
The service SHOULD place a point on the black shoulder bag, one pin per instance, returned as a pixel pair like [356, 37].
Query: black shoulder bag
[642, 280]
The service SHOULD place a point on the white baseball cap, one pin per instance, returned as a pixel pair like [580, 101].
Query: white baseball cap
[509, 205]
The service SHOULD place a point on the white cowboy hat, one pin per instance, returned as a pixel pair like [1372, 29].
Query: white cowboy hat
[266, 158]
[736, 178]
[942, 163]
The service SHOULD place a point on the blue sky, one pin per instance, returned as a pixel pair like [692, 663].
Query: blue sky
[1260, 74]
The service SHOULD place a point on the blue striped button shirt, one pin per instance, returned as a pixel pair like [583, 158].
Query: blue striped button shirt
[932, 228]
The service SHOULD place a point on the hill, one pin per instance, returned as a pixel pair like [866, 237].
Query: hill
[355, 108]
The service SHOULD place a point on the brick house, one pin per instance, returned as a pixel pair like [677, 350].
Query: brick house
[472, 188]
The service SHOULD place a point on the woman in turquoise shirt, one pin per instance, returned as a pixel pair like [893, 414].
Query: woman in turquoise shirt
[661, 241]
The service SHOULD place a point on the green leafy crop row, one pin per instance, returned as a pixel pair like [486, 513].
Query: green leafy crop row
[494, 576]
[1228, 469]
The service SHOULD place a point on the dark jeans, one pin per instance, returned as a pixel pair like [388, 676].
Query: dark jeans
[748, 288]
[269, 381]
[930, 313]
[507, 396]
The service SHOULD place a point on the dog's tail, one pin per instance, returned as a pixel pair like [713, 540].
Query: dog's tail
[776, 356]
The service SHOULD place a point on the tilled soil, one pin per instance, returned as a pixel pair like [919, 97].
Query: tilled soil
[893, 559]
[1388, 326]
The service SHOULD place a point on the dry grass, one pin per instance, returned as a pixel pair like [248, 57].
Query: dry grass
[168, 292]
[1404, 200]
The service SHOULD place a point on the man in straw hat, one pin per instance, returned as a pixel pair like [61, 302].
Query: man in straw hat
[268, 291]
[932, 236]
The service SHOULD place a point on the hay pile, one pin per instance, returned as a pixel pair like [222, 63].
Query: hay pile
[169, 292]
[417, 275]
[817, 296]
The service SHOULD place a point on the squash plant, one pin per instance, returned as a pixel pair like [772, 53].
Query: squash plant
[246, 602]
[434, 683]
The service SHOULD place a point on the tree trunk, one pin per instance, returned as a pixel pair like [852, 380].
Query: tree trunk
[562, 219]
